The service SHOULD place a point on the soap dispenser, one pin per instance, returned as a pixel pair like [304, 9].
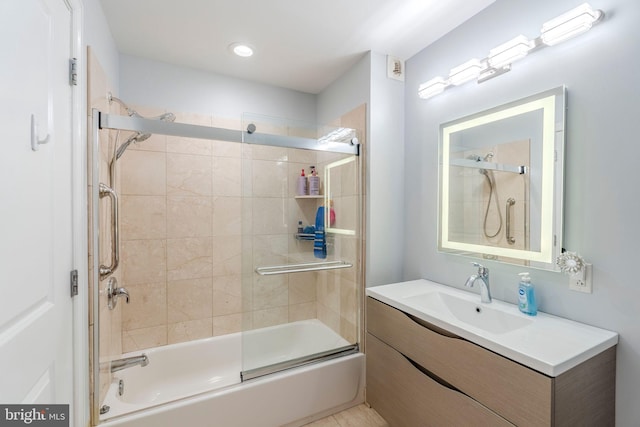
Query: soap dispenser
[526, 296]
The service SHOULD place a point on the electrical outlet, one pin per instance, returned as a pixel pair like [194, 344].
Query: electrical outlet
[582, 282]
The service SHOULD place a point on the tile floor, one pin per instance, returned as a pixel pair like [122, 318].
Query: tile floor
[358, 416]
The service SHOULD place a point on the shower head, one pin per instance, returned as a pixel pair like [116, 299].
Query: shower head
[130, 111]
[488, 156]
[166, 117]
[136, 137]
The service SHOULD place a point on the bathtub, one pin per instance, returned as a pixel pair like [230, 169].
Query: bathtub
[199, 382]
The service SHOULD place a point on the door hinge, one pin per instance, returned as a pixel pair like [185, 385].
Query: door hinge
[73, 72]
[74, 282]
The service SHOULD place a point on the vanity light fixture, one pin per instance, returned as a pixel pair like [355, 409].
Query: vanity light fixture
[510, 51]
[433, 87]
[500, 58]
[463, 73]
[570, 24]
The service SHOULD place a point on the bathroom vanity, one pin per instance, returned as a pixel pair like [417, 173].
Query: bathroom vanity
[436, 356]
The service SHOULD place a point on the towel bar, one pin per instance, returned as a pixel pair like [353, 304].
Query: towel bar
[301, 268]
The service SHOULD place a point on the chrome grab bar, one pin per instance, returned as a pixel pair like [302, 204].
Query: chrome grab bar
[106, 191]
[510, 202]
[301, 268]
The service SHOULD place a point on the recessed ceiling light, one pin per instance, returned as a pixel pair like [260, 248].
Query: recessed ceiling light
[241, 49]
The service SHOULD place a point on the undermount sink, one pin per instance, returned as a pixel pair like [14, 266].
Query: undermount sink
[549, 344]
[482, 316]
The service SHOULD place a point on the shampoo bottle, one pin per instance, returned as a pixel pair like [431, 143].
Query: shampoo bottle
[302, 188]
[526, 296]
[314, 182]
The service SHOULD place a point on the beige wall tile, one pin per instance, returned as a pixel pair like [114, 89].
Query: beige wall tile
[306, 157]
[143, 217]
[270, 216]
[227, 149]
[227, 295]
[227, 176]
[143, 173]
[329, 317]
[348, 330]
[302, 311]
[188, 175]
[270, 250]
[270, 179]
[189, 258]
[189, 217]
[144, 261]
[176, 144]
[153, 143]
[189, 331]
[227, 255]
[329, 290]
[227, 216]
[147, 306]
[189, 299]
[302, 288]
[270, 292]
[228, 324]
[265, 152]
[139, 339]
[270, 317]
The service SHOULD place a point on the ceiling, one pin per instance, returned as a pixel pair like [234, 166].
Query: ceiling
[302, 45]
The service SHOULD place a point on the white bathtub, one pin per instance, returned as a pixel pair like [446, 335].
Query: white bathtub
[198, 382]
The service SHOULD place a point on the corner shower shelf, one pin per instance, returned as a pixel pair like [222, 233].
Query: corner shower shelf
[301, 268]
[305, 236]
[318, 196]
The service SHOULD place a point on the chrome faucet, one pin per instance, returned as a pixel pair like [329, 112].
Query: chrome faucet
[483, 276]
[127, 362]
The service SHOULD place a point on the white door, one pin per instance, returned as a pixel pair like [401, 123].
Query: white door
[35, 203]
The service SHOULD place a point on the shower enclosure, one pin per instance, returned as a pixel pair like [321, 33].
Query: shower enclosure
[199, 234]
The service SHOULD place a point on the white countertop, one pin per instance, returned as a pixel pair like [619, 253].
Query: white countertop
[549, 344]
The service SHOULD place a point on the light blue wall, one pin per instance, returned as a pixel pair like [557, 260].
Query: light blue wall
[600, 70]
[98, 36]
[367, 83]
[348, 92]
[386, 187]
[153, 83]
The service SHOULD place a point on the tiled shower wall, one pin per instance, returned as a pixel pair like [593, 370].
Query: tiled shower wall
[184, 206]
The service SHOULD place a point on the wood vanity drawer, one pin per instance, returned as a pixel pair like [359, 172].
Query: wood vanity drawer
[406, 397]
[521, 395]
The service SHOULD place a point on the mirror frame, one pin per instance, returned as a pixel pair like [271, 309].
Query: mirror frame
[553, 105]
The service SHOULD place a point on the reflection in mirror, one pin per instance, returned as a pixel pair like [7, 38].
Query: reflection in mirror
[340, 195]
[501, 175]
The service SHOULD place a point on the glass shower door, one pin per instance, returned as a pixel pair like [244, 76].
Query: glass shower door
[301, 254]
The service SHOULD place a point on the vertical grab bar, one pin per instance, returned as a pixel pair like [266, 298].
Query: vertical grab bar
[510, 202]
[106, 191]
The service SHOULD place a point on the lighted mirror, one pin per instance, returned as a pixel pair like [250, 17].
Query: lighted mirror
[501, 182]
